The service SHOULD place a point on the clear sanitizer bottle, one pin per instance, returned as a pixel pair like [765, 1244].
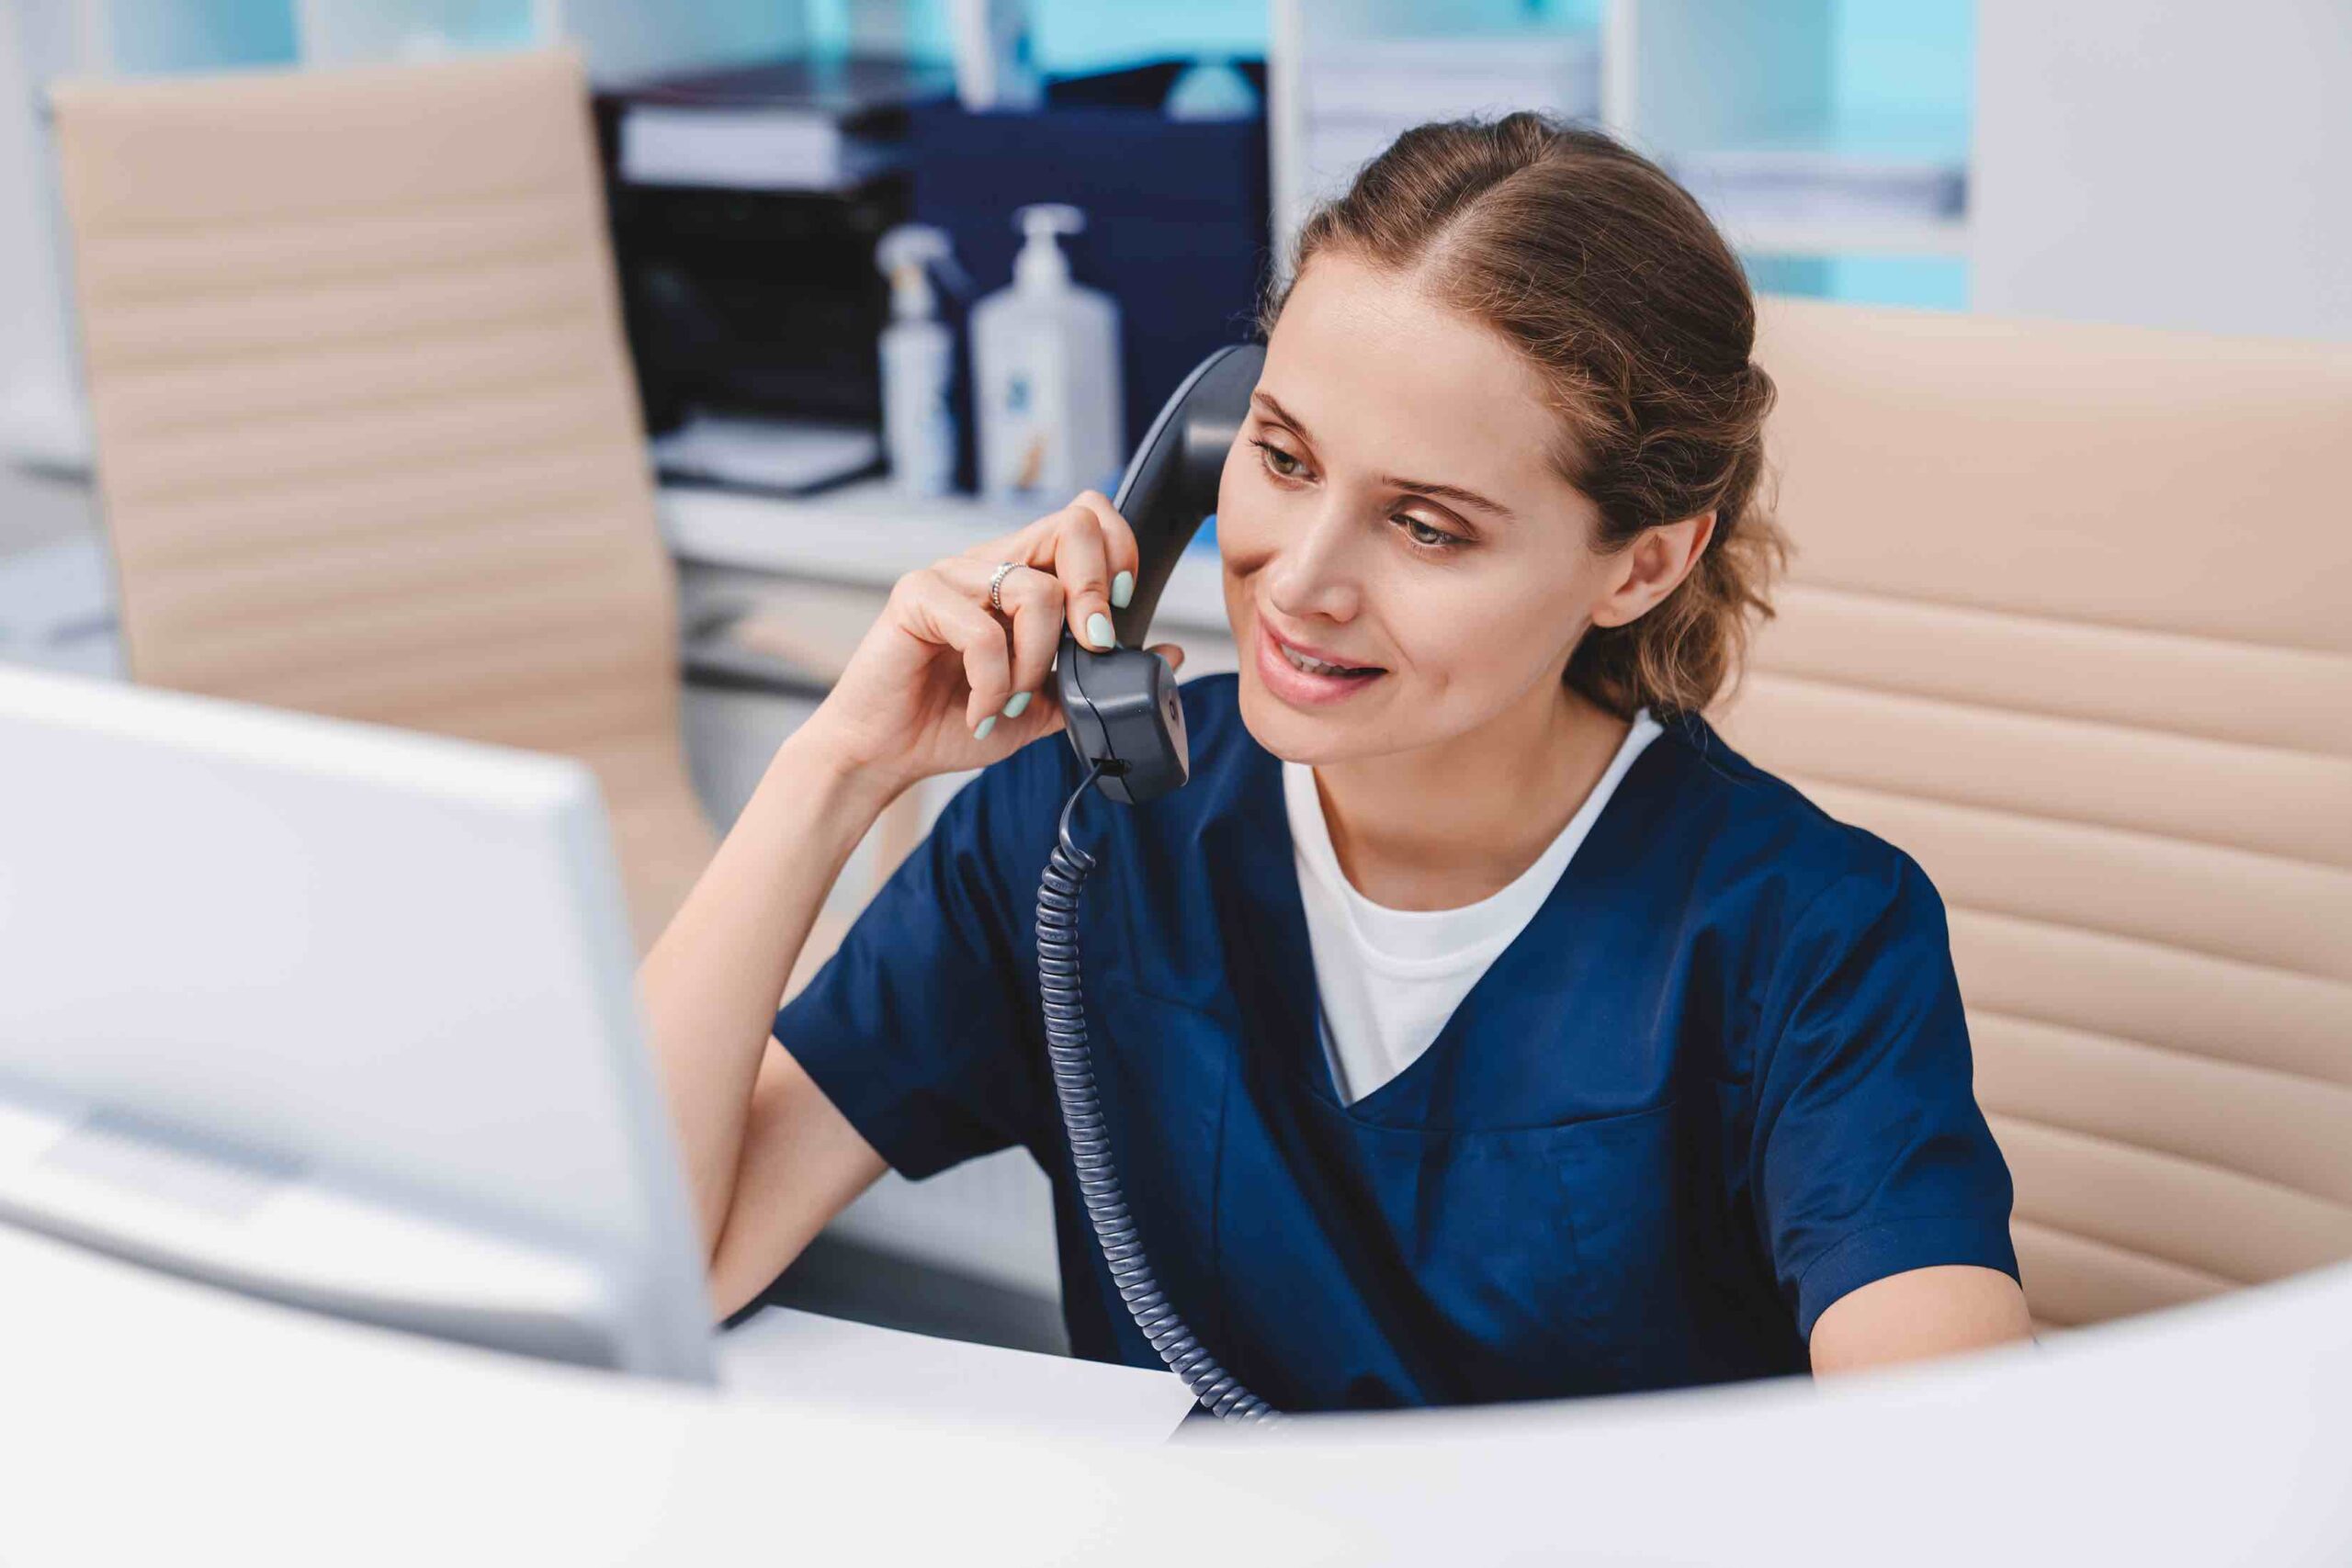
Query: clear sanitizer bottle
[1046, 365]
[918, 363]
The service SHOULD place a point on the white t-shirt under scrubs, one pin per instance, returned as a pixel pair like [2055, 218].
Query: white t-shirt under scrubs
[1387, 979]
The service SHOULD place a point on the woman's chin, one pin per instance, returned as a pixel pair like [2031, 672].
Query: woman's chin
[1296, 735]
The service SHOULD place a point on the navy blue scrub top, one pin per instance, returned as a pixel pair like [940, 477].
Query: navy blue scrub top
[1719, 1080]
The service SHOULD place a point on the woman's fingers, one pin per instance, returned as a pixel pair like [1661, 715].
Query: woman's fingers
[1171, 652]
[1009, 670]
[1118, 544]
[941, 608]
[1090, 546]
[1081, 565]
[1090, 550]
[1035, 601]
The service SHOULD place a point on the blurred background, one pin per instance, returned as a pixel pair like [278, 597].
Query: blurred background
[787, 183]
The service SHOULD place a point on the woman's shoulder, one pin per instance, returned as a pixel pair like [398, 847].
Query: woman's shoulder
[1753, 820]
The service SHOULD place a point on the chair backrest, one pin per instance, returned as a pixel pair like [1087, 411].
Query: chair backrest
[2070, 620]
[367, 443]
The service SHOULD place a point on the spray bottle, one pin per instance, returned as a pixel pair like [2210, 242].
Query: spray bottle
[918, 361]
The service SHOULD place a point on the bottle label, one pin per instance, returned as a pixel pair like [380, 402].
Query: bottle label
[917, 427]
[1034, 465]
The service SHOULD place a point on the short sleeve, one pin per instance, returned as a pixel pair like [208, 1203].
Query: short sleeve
[1872, 1157]
[921, 1028]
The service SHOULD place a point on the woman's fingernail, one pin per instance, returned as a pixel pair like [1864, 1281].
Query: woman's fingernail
[980, 730]
[1014, 704]
[1123, 588]
[1099, 632]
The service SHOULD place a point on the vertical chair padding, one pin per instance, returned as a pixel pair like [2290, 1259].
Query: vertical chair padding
[2071, 621]
[367, 439]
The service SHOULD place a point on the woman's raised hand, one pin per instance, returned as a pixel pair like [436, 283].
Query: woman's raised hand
[943, 682]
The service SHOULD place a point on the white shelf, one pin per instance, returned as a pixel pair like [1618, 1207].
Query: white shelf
[868, 536]
[1673, 76]
[1920, 237]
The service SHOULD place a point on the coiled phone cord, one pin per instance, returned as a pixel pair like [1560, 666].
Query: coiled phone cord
[1090, 1146]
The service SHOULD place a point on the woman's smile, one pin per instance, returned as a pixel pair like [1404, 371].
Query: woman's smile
[1303, 680]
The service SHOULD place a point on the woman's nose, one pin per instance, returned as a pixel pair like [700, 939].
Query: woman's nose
[1313, 573]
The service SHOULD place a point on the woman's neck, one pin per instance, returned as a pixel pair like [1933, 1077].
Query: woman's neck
[1448, 825]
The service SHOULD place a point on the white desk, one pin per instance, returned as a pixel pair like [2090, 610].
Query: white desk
[144, 1416]
[867, 535]
[149, 1420]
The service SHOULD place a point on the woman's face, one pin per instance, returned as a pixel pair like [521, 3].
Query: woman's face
[1388, 508]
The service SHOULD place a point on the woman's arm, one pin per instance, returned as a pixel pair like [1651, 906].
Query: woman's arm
[1880, 1187]
[1918, 1313]
[711, 984]
[942, 683]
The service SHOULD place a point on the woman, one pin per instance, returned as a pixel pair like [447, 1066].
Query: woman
[1474, 1024]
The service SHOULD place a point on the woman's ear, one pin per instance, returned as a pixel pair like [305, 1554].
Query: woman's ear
[1651, 567]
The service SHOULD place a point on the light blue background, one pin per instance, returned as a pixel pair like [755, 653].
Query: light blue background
[1901, 77]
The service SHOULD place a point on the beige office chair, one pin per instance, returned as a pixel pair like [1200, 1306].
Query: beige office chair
[367, 439]
[2071, 621]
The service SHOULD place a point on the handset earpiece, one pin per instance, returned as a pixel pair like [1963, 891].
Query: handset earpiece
[1122, 707]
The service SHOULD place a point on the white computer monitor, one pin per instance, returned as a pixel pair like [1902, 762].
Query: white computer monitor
[338, 1015]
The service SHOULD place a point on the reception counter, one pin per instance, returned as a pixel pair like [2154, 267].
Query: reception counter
[147, 1419]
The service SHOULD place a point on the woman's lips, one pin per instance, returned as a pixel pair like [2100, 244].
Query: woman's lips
[1320, 655]
[1303, 688]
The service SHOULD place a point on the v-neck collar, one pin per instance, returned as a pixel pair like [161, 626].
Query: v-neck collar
[1407, 943]
[1269, 961]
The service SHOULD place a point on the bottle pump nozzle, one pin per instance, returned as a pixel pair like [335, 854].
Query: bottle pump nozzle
[1041, 264]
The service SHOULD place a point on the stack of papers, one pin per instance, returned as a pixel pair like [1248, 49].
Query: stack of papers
[808, 123]
[746, 148]
[783, 456]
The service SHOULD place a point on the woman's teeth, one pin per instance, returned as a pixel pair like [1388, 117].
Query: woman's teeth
[1317, 666]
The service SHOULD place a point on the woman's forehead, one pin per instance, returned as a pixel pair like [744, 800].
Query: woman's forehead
[1380, 375]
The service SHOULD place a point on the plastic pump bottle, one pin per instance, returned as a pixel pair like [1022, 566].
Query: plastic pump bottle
[1045, 358]
[918, 362]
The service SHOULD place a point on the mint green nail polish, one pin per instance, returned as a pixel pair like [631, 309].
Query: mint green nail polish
[1014, 704]
[980, 730]
[1123, 588]
[1099, 632]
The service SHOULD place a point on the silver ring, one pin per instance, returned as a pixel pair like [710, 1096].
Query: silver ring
[996, 584]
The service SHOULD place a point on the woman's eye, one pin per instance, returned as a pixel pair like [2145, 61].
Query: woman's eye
[1288, 465]
[1277, 460]
[1422, 534]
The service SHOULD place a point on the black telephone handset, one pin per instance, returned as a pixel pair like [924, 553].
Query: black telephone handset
[1122, 709]
[1126, 724]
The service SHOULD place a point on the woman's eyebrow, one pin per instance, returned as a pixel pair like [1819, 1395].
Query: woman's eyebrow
[1469, 498]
